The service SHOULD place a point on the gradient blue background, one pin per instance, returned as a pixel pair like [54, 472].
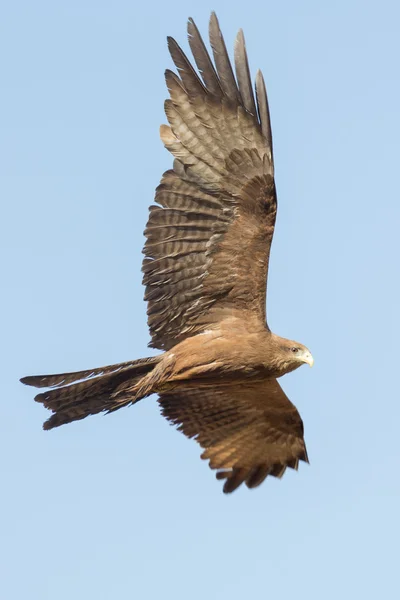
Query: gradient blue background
[121, 507]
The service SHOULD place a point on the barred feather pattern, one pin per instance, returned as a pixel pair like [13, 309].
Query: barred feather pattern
[209, 234]
[74, 396]
[248, 431]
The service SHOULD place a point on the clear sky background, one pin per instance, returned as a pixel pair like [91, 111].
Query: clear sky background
[121, 507]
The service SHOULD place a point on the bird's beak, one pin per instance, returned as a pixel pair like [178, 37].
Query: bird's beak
[308, 359]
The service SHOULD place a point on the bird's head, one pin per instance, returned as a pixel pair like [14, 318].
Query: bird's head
[291, 355]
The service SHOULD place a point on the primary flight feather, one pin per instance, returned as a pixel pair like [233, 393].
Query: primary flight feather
[205, 269]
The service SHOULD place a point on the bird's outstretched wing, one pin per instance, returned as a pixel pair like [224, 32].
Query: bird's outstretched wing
[209, 235]
[248, 430]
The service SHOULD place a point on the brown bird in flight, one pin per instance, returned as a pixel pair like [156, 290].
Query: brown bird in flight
[205, 270]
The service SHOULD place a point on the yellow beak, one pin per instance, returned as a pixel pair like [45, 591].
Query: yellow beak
[308, 359]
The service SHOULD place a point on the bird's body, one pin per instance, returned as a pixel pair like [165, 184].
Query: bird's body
[233, 350]
[205, 271]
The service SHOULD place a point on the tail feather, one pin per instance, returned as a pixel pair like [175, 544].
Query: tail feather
[66, 378]
[75, 396]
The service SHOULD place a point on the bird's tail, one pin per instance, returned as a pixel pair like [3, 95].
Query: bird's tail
[74, 396]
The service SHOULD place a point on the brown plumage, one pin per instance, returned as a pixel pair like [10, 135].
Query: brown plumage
[205, 269]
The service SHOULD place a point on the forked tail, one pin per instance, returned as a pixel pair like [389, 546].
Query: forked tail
[74, 396]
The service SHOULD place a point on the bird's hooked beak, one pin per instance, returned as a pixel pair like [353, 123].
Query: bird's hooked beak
[308, 358]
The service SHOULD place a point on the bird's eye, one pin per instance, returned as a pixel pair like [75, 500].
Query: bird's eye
[294, 349]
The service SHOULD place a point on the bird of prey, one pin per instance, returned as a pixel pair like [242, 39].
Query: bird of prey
[205, 268]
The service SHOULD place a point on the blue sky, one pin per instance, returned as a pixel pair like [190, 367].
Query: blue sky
[121, 506]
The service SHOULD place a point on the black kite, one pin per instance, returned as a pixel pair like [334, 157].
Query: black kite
[205, 270]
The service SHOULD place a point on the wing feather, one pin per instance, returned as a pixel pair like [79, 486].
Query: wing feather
[221, 57]
[188, 75]
[263, 112]
[203, 60]
[248, 430]
[243, 74]
[209, 235]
